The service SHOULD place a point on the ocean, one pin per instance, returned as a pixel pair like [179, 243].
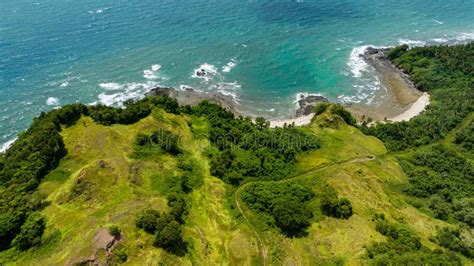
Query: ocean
[262, 53]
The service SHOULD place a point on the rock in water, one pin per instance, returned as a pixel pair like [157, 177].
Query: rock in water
[307, 104]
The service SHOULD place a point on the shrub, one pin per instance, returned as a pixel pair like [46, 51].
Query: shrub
[321, 108]
[169, 236]
[120, 254]
[148, 220]
[287, 204]
[115, 231]
[451, 239]
[332, 206]
[30, 233]
[403, 247]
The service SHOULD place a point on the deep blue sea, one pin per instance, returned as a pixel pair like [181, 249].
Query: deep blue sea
[263, 53]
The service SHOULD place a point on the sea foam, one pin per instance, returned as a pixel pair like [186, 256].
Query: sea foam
[227, 68]
[52, 101]
[205, 71]
[7, 145]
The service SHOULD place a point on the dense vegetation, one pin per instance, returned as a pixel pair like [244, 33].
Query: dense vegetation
[434, 150]
[465, 138]
[285, 203]
[250, 150]
[332, 206]
[443, 177]
[447, 73]
[36, 152]
[403, 247]
[453, 239]
[39, 150]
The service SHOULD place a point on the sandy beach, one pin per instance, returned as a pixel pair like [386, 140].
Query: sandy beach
[400, 101]
[397, 101]
[415, 109]
[298, 121]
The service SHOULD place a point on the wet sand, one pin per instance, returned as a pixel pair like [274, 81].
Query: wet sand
[397, 100]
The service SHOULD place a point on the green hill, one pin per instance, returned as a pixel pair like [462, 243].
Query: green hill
[156, 183]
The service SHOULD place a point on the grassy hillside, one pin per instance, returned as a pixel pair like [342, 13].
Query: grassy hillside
[157, 184]
[103, 182]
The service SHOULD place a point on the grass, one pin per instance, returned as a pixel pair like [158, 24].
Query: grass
[119, 184]
[360, 169]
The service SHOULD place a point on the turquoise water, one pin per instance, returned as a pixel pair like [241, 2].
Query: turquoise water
[263, 53]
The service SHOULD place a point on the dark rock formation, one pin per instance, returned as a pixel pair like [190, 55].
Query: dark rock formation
[307, 104]
[159, 91]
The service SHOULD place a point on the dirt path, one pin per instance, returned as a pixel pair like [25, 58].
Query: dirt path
[261, 243]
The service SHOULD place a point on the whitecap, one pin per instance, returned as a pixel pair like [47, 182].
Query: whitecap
[465, 36]
[155, 67]
[149, 74]
[7, 145]
[64, 84]
[229, 66]
[52, 101]
[227, 89]
[356, 63]
[133, 90]
[438, 22]
[111, 86]
[205, 71]
[412, 43]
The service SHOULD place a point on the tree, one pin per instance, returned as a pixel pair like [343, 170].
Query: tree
[169, 237]
[291, 217]
[148, 220]
[332, 206]
[31, 232]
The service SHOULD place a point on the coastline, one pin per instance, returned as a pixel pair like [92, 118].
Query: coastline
[401, 100]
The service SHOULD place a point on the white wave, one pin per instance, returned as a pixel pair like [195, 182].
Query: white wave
[438, 22]
[128, 91]
[64, 84]
[52, 101]
[366, 83]
[464, 36]
[151, 73]
[227, 68]
[227, 89]
[185, 87]
[456, 38]
[440, 40]
[356, 63]
[205, 71]
[412, 43]
[110, 86]
[7, 145]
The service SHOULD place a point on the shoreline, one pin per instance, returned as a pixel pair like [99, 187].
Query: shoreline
[399, 101]
[401, 97]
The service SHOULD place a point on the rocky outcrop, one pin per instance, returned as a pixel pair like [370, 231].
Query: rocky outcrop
[306, 104]
[103, 242]
[159, 91]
